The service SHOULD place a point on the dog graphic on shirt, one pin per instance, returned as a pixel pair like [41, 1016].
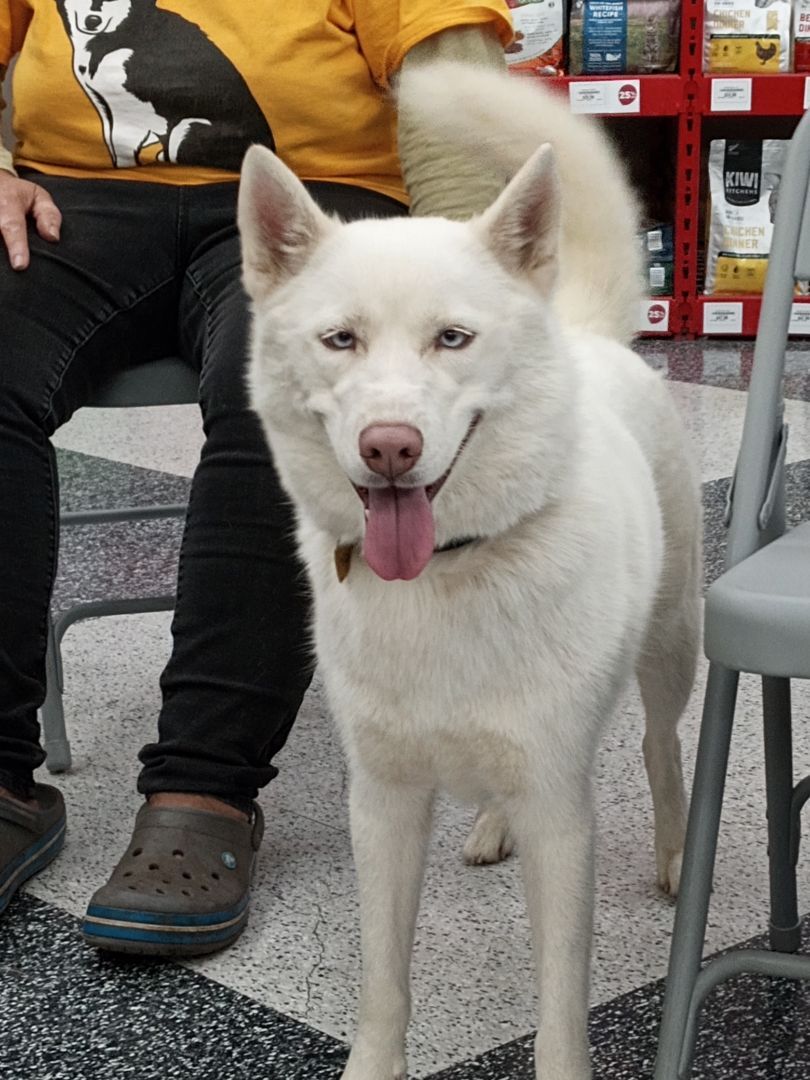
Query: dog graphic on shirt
[156, 78]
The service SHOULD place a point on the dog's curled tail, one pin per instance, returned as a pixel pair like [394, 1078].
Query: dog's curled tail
[507, 118]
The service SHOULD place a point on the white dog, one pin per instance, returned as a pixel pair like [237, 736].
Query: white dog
[499, 518]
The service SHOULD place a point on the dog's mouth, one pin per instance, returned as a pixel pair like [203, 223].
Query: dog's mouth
[400, 532]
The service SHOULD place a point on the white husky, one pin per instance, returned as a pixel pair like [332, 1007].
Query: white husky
[516, 521]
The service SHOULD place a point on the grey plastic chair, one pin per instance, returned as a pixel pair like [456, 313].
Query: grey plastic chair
[163, 382]
[757, 620]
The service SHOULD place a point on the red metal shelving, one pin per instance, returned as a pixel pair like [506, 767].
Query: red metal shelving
[691, 97]
[738, 316]
[623, 95]
[754, 95]
[735, 96]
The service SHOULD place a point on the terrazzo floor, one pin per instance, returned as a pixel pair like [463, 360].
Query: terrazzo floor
[281, 1002]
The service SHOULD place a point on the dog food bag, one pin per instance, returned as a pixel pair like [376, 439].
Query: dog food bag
[744, 180]
[658, 242]
[747, 36]
[623, 37]
[538, 47]
[660, 278]
[659, 253]
[801, 35]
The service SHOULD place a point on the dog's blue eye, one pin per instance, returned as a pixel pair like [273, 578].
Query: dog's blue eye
[339, 339]
[454, 338]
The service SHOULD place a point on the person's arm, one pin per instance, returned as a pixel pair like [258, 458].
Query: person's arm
[6, 163]
[19, 199]
[441, 180]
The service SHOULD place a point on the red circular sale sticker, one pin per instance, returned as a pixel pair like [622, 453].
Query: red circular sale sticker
[627, 94]
[656, 313]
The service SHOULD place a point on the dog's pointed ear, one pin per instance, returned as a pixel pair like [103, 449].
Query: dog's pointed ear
[522, 226]
[279, 222]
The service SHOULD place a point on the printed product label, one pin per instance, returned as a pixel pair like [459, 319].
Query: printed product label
[660, 278]
[742, 172]
[537, 47]
[606, 97]
[604, 46]
[731, 95]
[800, 319]
[722, 318]
[739, 53]
[747, 36]
[654, 317]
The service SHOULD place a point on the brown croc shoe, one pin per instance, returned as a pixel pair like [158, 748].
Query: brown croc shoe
[30, 838]
[181, 889]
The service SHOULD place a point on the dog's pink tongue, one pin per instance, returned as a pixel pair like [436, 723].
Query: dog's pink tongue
[399, 537]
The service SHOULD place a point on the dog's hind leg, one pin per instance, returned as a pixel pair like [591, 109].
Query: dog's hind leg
[668, 656]
[490, 839]
[390, 828]
[666, 672]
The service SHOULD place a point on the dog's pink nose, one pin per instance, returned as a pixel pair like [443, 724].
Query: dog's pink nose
[390, 449]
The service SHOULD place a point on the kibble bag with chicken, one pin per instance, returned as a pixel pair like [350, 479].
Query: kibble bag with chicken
[747, 36]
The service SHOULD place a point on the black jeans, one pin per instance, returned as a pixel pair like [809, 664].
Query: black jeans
[143, 271]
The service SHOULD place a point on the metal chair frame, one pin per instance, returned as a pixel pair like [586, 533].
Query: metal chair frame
[165, 382]
[756, 556]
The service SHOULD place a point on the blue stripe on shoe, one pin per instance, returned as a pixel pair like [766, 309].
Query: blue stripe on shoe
[31, 860]
[158, 937]
[160, 918]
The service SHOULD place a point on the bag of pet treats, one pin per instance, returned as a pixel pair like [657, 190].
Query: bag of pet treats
[801, 35]
[746, 36]
[744, 176]
[538, 47]
[659, 254]
[658, 242]
[623, 37]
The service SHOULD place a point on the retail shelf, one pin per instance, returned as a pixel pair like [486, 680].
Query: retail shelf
[754, 95]
[692, 98]
[623, 95]
[738, 316]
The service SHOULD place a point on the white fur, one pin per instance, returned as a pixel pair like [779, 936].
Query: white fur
[601, 271]
[492, 673]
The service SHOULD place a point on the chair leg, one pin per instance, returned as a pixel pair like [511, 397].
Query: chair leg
[785, 927]
[676, 1041]
[54, 736]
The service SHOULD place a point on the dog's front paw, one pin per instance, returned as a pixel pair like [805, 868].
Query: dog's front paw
[366, 1064]
[561, 1055]
[363, 1073]
[490, 840]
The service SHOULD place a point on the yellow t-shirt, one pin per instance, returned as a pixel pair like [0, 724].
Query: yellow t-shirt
[174, 91]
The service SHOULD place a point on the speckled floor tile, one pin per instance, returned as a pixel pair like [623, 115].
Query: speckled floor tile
[714, 419]
[725, 363]
[751, 1029]
[69, 1013]
[135, 558]
[167, 438]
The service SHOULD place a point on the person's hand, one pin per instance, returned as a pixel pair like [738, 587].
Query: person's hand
[18, 199]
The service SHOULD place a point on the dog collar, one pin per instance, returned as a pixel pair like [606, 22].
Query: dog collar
[343, 554]
[453, 544]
